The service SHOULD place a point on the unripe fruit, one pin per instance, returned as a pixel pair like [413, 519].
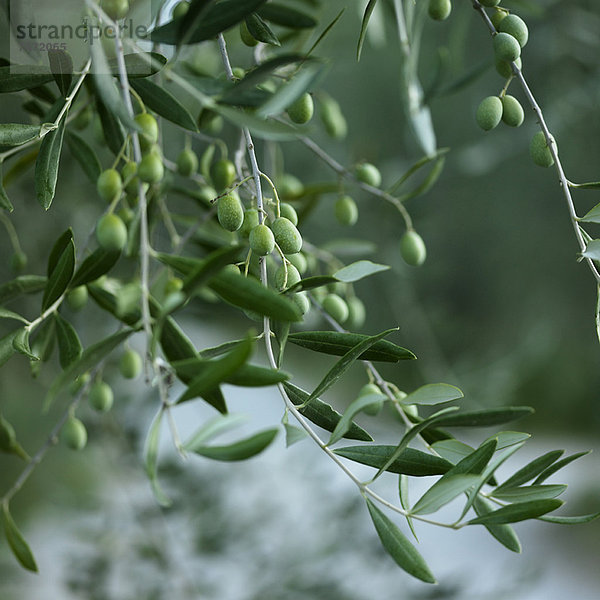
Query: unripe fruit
[173, 285]
[333, 119]
[262, 241]
[301, 111]
[238, 73]
[439, 10]
[126, 215]
[299, 261]
[357, 311]
[250, 221]
[505, 68]
[539, 150]
[101, 396]
[130, 364]
[302, 301]
[18, 261]
[289, 212]
[506, 47]
[375, 408]
[206, 194]
[78, 383]
[73, 434]
[288, 238]
[151, 169]
[111, 232]
[109, 185]
[130, 178]
[187, 163]
[222, 174]
[336, 308]
[181, 9]
[515, 26]
[246, 36]
[489, 112]
[231, 269]
[289, 186]
[489, 3]
[210, 121]
[368, 173]
[346, 211]
[115, 9]
[512, 111]
[230, 212]
[293, 277]
[412, 248]
[77, 297]
[498, 15]
[149, 135]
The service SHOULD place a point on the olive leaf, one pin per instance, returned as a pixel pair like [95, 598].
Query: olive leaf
[16, 541]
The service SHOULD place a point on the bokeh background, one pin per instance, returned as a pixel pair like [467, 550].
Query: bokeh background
[501, 308]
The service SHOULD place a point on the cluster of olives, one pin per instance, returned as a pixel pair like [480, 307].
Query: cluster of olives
[100, 397]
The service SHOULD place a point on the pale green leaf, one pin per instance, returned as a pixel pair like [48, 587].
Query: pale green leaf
[359, 270]
[433, 393]
[242, 450]
[16, 541]
[442, 492]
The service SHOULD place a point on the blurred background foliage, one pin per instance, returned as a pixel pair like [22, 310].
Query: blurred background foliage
[501, 307]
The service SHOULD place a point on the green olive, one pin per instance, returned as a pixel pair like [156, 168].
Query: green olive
[101, 396]
[302, 301]
[288, 238]
[336, 308]
[77, 297]
[149, 135]
[368, 173]
[439, 10]
[489, 112]
[301, 111]
[173, 284]
[489, 3]
[262, 241]
[539, 150]
[515, 26]
[130, 364]
[412, 248]
[512, 111]
[111, 232]
[346, 211]
[289, 186]
[333, 119]
[18, 261]
[246, 36]
[151, 168]
[250, 221]
[210, 122]
[109, 185]
[222, 174]
[370, 389]
[505, 68]
[230, 212]
[187, 163]
[293, 277]
[74, 434]
[206, 194]
[115, 9]
[289, 212]
[299, 261]
[357, 311]
[498, 15]
[181, 9]
[506, 47]
[130, 179]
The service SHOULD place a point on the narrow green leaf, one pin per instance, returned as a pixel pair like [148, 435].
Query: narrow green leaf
[9, 314]
[69, 346]
[265, 129]
[325, 31]
[355, 407]
[509, 438]
[218, 372]
[409, 462]
[592, 216]
[84, 154]
[342, 365]
[113, 132]
[558, 465]
[293, 434]
[528, 492]
[7, 348]
[61, 276]
[321, 413]
[16, 541]
[213, 428]
[248, 293]
[485, 417]
[363, 27]
[164, 103]
[95, 265]
[443, 491]
[24, 284]
[8, 440]
[175, 343]
[475, 462]
[89, 358]
[571, 520]
[15, 78]
[262, 72]
[405, 502]
[21, 344]
[310, 283]
[151, 460]
[590, 185]
[532, 469]
[139, 64]
[58, 248]
[210, 266]
[592, 250]
[286, 16]
[505, 534]
[242, 450]
[61, 65]
[46, 165]
[359, 270]
[428, 182]
[338, 344]
[514, 513]
[452, 449]
[192, 20]
[16, 134]
[433, 393]
[5, 202]
[221, 348]
[398, 547]
[260, 31]
[43, 344]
